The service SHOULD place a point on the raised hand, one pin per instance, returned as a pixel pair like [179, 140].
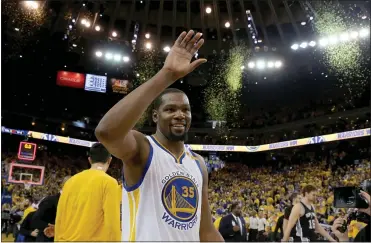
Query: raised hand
[178, 61]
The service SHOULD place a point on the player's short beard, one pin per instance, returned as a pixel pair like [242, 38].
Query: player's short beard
[177, 138]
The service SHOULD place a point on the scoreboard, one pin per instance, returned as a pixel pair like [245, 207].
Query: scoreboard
[27, 151]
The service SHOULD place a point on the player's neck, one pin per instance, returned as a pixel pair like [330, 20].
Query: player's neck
[306, 201]
[98, 166]
[175, 147]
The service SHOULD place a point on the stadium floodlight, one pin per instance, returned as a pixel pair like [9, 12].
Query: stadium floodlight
[148, 36]
[295, 46]
[148, 45]
[227, 24]
[344, 37]
[251, 65]
[87, 24]
[364, 32]
[166, 49]
[304, 45]
[108, 56]
[208, 10]
[126, 59]
[31, 4]
[270, 64]
[354, 34]
[97, 28]
[260, 64]
[83, 21]
[333, 40]
[278, 64]
[98, 53]
[114, 34]
[323, 42]
[312, 43]
[117, 57]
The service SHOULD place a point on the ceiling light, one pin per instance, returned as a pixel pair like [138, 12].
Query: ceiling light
[109, 56]
[251, 65]
[117, 57]
[278, 64]
[114, 34]
[148, 36]
[97, 28]
[87, 24]
[303, 23]
[126, 59]
[227, 24]
[295, 46]
[208, 10]
[83, 21]
[304, 45]
[148, 45]
[364, 32]
[98, 53]
[323, 42]
[260, 64]
[270, 64]
[312, 43]
[166, 48]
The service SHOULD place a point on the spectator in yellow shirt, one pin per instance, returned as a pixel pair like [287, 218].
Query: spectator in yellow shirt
[89, 206]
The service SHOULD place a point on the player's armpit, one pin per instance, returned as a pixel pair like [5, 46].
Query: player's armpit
[207, 229]
[125, 148]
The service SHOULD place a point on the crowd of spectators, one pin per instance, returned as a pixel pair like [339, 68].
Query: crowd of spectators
[265, 189]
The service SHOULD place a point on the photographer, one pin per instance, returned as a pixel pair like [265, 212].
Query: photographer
[364, 235]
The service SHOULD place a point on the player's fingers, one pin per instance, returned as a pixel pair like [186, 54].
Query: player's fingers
[180, 38]
[193, 41]
[197, 63]
[187, 38]
[197, 46]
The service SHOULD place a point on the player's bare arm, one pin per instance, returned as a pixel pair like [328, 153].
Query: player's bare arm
[207, 230]
[322, 231]
[294, 216]
[115, 128]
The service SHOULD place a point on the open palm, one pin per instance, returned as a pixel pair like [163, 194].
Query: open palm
[178, 62]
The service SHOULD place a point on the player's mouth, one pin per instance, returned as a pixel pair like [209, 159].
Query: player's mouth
[178, 127]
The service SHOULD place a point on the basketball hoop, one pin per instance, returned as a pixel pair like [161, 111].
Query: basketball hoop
[27, 185]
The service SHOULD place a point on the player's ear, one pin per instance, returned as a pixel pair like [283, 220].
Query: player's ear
[154, 116]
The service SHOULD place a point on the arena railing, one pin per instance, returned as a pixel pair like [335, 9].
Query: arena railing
[208, 147]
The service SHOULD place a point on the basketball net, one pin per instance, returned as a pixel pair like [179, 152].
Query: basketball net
[27, 185]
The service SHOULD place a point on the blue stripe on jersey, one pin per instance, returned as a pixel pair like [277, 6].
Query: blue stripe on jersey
[146, 167]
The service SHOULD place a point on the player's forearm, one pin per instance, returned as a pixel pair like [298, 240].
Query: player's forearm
[287, 231]
[325, 234]
[123, 116]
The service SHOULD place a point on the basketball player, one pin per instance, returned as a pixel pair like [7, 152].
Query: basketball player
[165, 196]
[304, 217]
[89, 205]
[294, 199]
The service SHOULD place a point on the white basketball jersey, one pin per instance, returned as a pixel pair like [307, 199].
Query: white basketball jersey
[165, 205]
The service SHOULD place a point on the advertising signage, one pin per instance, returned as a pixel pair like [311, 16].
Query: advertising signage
[71, 79]
[96, 83]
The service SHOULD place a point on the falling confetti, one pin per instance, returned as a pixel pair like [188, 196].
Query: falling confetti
[26, 18]
[222, 96]
[147, 66]
[345, 59]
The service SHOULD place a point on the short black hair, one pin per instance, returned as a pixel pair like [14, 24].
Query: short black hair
[234, 205]
[158, 100]
[99, 154]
